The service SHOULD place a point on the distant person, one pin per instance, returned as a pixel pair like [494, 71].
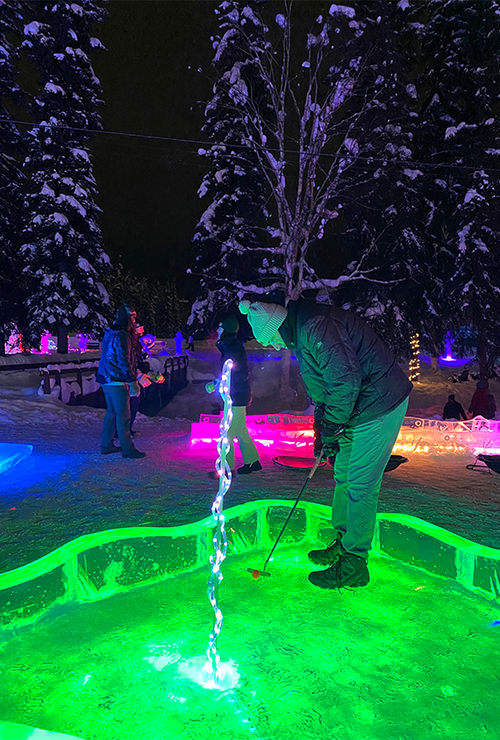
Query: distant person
[117, 375]
[453, 409]
[233, 348]
[190, 343]
[139, 365]
[480, 404]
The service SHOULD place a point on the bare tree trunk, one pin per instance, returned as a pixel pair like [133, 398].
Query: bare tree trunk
[2, 343]
[483, 356]
[62, 339]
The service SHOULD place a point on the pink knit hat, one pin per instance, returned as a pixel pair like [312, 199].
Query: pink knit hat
[265, 319]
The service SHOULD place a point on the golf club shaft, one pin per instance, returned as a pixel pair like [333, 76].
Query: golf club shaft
[302, 491]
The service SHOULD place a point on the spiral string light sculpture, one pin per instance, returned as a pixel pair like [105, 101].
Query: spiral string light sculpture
[219, 539]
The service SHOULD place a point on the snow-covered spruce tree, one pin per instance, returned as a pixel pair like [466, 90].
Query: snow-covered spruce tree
[62, 249]
[461, 124]
[228, 237]
[11, 178]
[383, 215]
[308, 130]
[453, 68]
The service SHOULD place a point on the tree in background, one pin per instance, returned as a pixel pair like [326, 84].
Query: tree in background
[11, 177]
[307, 114]
[158, 306]
[384, 215]
[62, 246]
[462, 39]
[446, 211]
[227, 239]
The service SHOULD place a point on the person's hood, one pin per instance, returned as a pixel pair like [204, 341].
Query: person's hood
[113, 332]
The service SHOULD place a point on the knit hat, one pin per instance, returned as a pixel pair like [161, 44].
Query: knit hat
[230, 324]
[265, 319]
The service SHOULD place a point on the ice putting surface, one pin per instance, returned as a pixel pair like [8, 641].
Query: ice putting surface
[409, 656]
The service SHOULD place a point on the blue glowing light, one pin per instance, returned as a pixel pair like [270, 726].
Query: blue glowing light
[12, 454]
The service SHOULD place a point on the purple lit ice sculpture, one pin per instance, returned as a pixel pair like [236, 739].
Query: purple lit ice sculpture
[448, 356]
[147, 342]
[178, 343]
[44, 343]
[82, 342]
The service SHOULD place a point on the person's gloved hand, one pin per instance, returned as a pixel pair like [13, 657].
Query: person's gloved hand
[326, 438]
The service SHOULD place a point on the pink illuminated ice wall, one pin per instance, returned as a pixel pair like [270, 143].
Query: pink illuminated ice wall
[294, 434]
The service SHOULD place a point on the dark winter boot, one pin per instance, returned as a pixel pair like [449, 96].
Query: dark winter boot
[250, 468]
[328, 555]
[135, 455]
[350, 571]
[110, 450]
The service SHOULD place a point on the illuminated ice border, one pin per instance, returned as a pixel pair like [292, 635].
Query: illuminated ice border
[13, 731]
[13, 454]
[100, 565]
[294, 434]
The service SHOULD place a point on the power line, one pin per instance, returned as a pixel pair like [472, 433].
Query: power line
[179, 140]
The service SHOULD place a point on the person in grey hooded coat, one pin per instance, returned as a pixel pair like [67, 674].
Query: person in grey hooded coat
[361, 396]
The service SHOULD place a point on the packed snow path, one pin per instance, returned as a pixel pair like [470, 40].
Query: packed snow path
[67, 489]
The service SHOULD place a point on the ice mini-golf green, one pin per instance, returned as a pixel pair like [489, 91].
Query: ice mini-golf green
[410, 656]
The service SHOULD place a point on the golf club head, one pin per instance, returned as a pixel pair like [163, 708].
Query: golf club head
[257, 573]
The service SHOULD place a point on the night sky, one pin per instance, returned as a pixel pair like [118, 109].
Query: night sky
[148, 188]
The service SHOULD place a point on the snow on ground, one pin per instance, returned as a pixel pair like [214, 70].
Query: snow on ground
[67, 489]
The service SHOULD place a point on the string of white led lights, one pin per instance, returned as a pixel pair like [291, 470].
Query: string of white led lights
[219, 538]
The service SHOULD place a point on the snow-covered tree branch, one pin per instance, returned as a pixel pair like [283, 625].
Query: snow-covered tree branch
[297, 108]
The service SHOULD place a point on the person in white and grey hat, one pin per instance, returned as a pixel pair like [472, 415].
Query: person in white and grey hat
[361, 396]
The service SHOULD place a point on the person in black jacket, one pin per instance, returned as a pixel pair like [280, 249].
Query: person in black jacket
[361, 396]
[232, 348]
[453, 409]
[117, 374]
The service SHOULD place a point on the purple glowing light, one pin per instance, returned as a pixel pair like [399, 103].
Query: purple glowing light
[447, 358]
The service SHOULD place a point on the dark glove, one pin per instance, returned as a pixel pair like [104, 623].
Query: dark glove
[326, 438]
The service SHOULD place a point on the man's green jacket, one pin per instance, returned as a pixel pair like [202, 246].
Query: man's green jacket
[344, 364]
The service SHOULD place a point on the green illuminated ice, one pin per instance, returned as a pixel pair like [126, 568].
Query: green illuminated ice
[411, 656]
